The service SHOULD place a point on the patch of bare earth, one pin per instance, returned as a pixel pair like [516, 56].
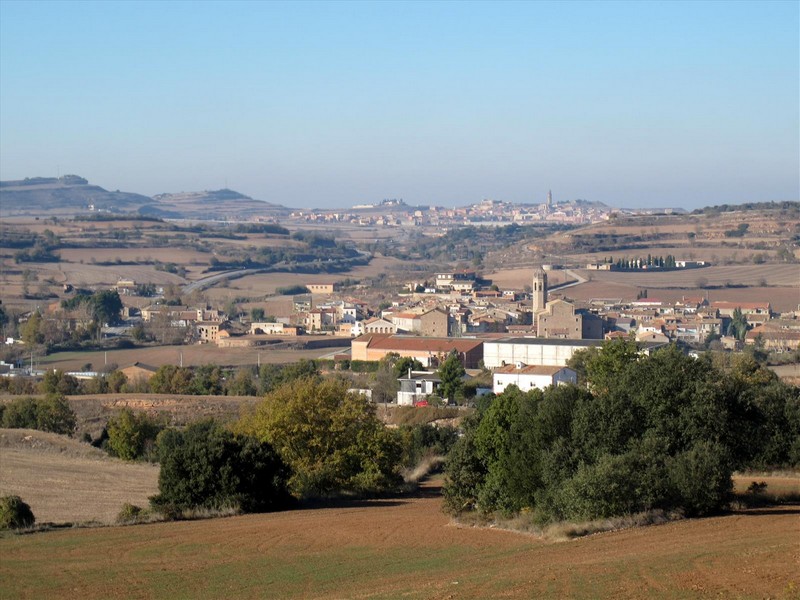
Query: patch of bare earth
[93, 412]
[66, 481]
[190, 355]
[406, 547]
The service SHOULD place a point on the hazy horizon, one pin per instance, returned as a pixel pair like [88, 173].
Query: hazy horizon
[331, 104]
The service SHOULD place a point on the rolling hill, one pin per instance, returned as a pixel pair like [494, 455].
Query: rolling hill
[72, 194]
[66, 195]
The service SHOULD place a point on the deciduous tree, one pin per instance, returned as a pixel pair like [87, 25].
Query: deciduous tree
[331, 438]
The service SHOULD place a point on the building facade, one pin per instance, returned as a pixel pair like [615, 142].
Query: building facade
[527, 377]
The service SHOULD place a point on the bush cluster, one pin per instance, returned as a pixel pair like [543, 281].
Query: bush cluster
[426, 440]
[51, 413]
[132, 436]
[14, 513]
[329, 437]
[659, 432]
[208, 466]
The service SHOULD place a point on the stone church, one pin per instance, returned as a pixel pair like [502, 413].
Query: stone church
[559, 319]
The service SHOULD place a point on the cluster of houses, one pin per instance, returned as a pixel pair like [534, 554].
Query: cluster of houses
[525, 339]
[398, 214]
[455, 306]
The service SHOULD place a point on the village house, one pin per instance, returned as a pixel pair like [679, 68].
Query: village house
[378, 325]
[207, 331]
[180, 315]
[457, 281]
[527, 377]
[321, 288]
[318, 319]
[416, 386]
[428, 351]
[124, 287]
[262, 328]
[749, 309]
[774, 339]
[138, 372]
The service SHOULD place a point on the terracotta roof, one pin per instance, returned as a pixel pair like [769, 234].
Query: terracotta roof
[617, 334]
[422, 344]
[772, 334]
[142, 366]
[405, 315]
[742, 305]
[369, 338]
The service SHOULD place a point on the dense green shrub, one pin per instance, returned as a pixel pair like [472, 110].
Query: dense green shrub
[364, 366]
[291, 290]
[58, 382]
[207, 466]
[272, 376]
[658, 432]
[132, 436]
[14, 513]
[331, 438]
[129, 513]
[51, 413]
[424, 440]
[20, 414]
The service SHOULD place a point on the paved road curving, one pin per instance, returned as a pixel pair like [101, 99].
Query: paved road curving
[205, 282]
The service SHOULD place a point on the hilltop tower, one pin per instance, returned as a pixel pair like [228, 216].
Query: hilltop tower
[549, 198]
[539, 290]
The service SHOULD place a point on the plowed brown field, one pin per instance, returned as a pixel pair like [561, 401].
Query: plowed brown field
[189, 355]
[405, 548]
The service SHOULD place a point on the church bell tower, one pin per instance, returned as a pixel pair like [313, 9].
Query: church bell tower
[539, 290]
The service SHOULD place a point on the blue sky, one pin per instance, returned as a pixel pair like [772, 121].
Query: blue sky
[331, 104]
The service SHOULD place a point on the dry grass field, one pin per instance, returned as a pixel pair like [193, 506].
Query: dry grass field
[718, 255]
[66, 481]
[182, 256]
[748, 275]
[693, 237]
[263, 284]
[53, 275]
[782, 290]
[517, 279]
[405, 547]
[193, 355]
[783, 299]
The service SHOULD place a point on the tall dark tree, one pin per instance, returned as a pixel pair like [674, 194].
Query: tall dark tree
[451, 372]
[106, 306]
[207, 466]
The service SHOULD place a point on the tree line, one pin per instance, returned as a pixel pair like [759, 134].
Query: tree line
[646, 432]
[309, 438]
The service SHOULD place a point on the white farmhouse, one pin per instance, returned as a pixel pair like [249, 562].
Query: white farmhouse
[527, 377]
[417, 386]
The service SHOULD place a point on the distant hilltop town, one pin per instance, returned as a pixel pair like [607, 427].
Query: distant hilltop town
[396, 213]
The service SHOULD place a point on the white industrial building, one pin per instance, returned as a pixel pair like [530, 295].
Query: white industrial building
[532, 351]
[540, 351]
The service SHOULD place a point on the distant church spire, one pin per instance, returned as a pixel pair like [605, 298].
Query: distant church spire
[549, 198]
